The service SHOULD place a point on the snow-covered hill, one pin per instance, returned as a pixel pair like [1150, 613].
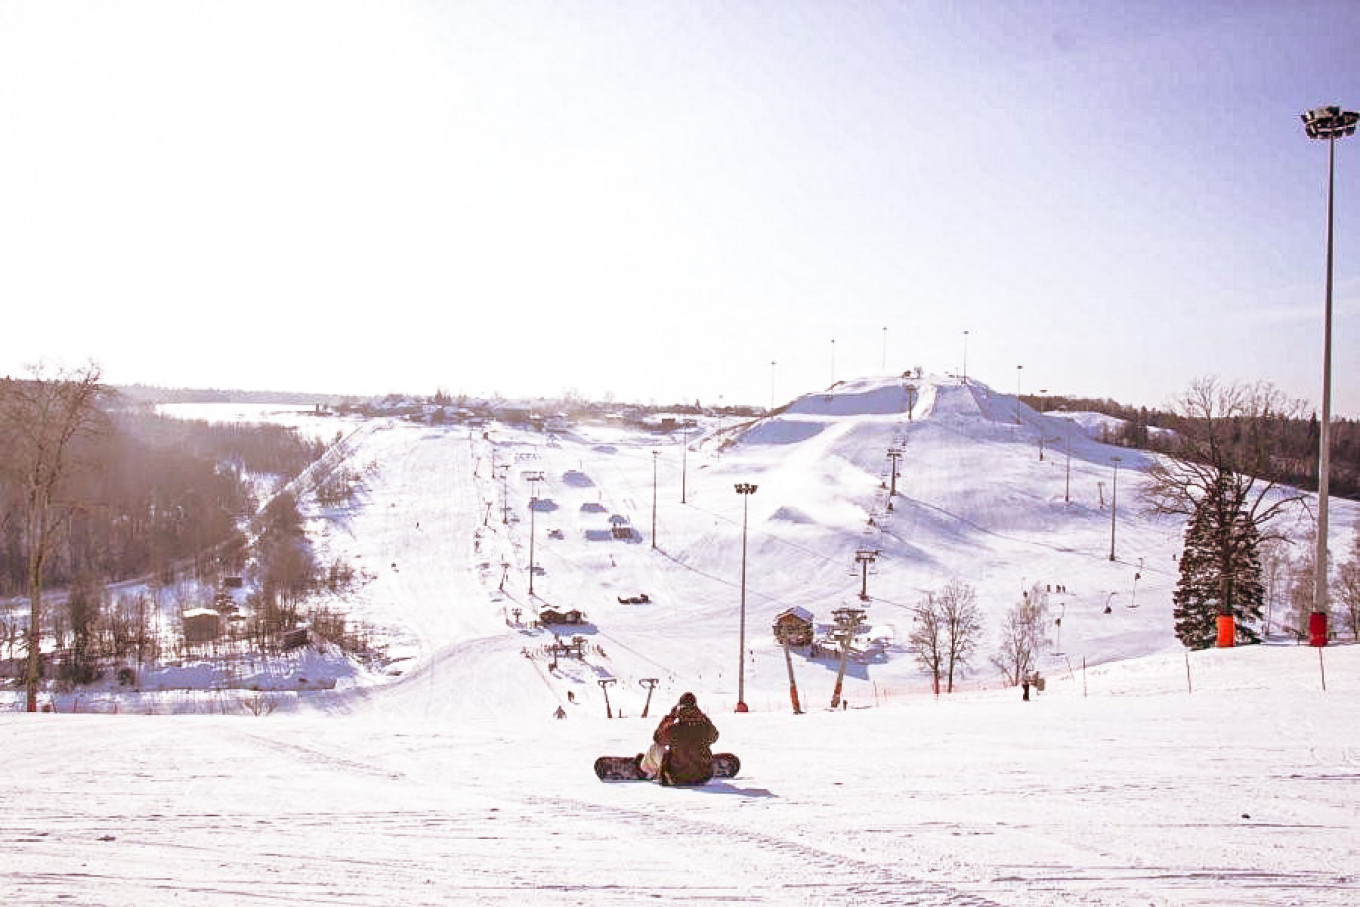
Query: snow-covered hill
[1140, 775]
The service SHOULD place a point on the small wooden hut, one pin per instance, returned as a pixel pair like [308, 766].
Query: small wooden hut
[793, 626]
[201, 625]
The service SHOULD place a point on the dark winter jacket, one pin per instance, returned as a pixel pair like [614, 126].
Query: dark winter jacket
[687, 734]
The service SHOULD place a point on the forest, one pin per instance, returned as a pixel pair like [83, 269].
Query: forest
[152, 495]
[1293, 438]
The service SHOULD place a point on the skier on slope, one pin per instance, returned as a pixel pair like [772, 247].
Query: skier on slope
[680, 752]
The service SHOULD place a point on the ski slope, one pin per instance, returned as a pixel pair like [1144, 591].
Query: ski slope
[1142, 774]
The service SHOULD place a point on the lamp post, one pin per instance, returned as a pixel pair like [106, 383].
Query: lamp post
[1017, 393]
[1067, 489]
[1114, 502]
[885, 349]
[745, 489]
[684, 460]
[505, 494]
[833, 360]
[965, 357]
[534, 478]
[1330, 124]
[773, 363]
[656, 454]
[1043, 400]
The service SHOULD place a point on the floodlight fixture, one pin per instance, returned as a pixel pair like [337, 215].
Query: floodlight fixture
[1329, 122]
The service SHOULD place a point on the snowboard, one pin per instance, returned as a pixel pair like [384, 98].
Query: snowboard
[625, 768]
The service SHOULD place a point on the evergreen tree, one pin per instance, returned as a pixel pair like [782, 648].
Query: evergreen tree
[1195, 599]
[1220, 571]
[1248, 594]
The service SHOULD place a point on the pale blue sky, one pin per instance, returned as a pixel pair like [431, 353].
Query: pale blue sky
[656, 200]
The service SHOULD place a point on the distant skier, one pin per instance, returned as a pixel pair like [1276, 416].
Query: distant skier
[680, 752]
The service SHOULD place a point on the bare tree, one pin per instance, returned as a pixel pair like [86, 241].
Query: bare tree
[40, 418]
[1274, 572]
[1224, 431]
[1348, 586]
[1023, 634]
[1224, 440]
[946, 633]
[927, 638]
[963, 625]
[1301, 591]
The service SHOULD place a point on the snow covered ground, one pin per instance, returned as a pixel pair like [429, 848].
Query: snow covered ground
[1141, 775]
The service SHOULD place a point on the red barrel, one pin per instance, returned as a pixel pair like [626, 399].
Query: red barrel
[1227, 631]
[1317, 628]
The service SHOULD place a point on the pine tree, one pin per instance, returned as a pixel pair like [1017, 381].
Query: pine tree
[1195, 600]
[1248, 594]
[1220, 571]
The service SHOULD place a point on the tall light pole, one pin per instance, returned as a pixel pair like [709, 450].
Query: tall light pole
[684, 460]
[1114, 502]
[1067, 490]
[505, 493]
[656, 455]
[534, 478]
[773, 363]
[833, 360]
[1017, 393]
[1330, 124]
[745, 489]
[885, 349]
[965, 357]
[1043, 400]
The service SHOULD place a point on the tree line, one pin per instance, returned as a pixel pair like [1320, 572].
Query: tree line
[1291, 435]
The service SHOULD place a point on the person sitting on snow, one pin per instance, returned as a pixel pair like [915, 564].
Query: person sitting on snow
[680, 752]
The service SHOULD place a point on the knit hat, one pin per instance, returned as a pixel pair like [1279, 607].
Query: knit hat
[688, 699]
